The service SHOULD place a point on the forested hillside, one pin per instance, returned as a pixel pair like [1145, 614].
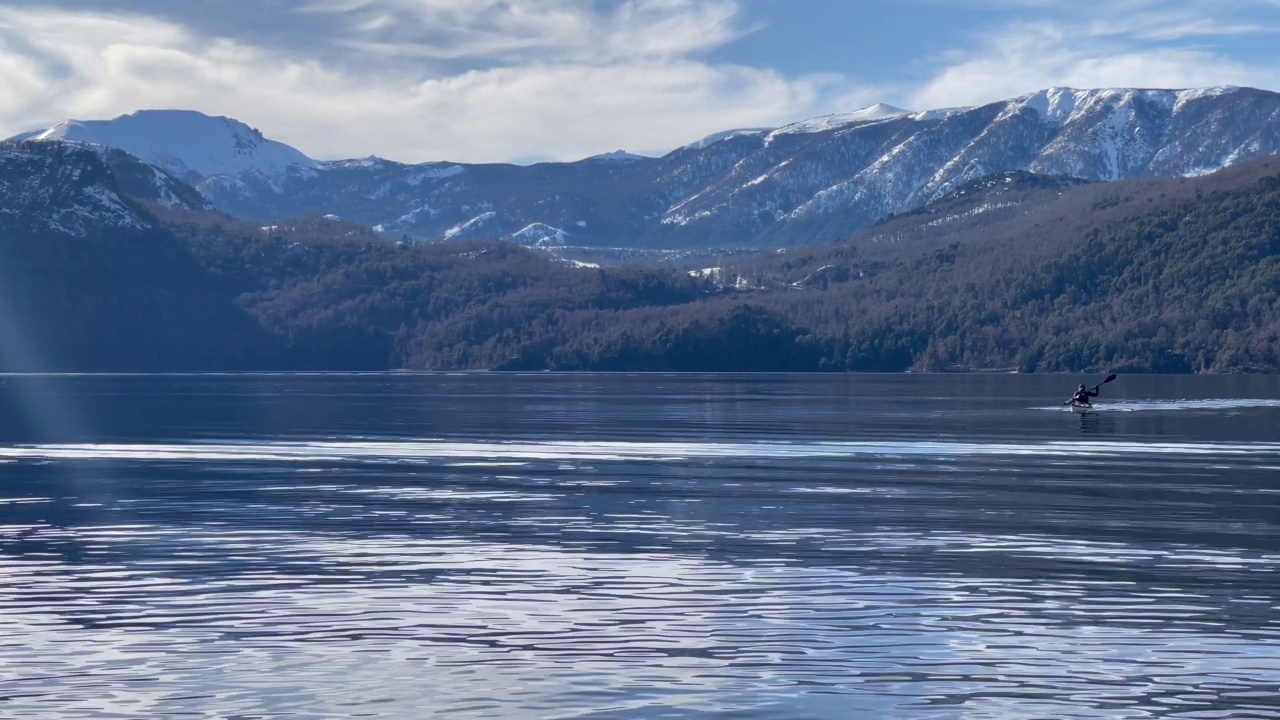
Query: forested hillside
[131, 302]
[338, 296]
[1192, 288]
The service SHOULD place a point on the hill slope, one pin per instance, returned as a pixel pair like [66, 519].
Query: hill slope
[90, 281]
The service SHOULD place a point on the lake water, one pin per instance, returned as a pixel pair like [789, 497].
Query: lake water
[638, 546]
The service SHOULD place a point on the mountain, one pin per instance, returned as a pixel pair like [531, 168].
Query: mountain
[1012, 270]
[809, 182]
[188, 145]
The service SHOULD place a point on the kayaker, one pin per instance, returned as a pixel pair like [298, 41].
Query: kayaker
[1083, 394]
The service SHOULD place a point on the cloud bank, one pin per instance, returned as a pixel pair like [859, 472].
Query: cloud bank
[1100, 44]
[525, 80]
[465, 80]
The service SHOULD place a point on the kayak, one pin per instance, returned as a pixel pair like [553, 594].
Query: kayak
[1082, 407]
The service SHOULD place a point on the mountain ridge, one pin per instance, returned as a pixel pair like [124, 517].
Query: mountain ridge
[804, 183]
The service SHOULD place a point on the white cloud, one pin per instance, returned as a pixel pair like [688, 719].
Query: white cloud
[541, 30]
[557, 82]
[1121, 52]
[512, 80]
[1154, 26]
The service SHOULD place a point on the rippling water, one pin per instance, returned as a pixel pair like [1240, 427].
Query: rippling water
[562, 546]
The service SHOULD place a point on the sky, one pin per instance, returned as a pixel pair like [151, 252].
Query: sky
[531, 80]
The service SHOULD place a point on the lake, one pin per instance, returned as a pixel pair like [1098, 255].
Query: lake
[638, 546]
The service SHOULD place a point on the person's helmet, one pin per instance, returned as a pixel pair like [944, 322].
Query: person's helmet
[1081, 386]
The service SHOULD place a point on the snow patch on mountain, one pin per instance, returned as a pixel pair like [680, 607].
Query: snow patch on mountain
[408, 220]
[103, 208]
[710, 140]
[539, 235]
[472, 228]
[971, 213]
[683, 218]
[938, 115]
[879, 111]
[1056, 105]
[1192, 94]
[1062, 105]
[419, 174]
[163, 185]
[372, 162]
[223, 185]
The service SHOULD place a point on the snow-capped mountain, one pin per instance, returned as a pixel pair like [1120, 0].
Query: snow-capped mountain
[807, 182]
[194, 147]
[830, 182]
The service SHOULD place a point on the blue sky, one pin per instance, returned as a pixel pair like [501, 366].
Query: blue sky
[525, 80]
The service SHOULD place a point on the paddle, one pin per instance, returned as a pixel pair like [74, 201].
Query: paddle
[1108, 379]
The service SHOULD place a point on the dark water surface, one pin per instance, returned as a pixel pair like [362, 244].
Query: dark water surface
[643, 546]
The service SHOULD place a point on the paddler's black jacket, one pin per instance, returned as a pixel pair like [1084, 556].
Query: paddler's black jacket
[1083, 394]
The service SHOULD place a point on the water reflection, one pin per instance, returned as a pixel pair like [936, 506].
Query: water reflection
[908, 561]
